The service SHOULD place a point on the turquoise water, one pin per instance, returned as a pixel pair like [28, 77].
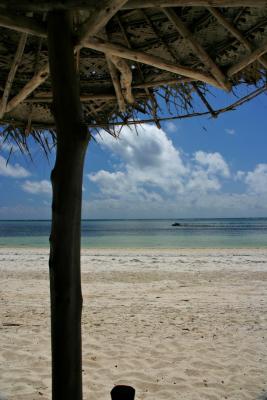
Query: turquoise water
[191, 233]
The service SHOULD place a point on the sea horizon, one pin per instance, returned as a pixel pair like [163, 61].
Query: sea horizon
[246, 232]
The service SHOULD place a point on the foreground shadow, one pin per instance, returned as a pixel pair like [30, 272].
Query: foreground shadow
[122, 392]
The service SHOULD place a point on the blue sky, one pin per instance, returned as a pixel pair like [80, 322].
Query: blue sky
[198, 167]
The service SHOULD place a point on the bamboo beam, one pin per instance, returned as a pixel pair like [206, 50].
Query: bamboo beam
[149, 59]
[116, 83]
[43, 6]
[126, 77]
[22, 24]
[12, 73]
[99, 18]
[197, 48]
[247, 60]
[235, 32]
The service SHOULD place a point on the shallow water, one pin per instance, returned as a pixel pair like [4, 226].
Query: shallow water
[191, 233]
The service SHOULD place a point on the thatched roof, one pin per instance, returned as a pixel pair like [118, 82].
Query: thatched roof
[129, 58]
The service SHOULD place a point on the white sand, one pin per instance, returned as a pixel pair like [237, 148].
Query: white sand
[187, 324]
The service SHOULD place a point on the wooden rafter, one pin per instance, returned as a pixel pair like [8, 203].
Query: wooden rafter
[235, 32]
[173, 54]
[149, 59]
[43, 6]
[42, 75]
[22, 24]
[99, 18]
[247, 60]
[126, 77]
[197, 48]
[131, 4]
[147, 90]
[37, 59]
[36, 81]
[116, 83]
[163, 82]
[12, 73]
[84, 97]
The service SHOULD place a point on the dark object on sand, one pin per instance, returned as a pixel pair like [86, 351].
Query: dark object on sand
[122, 392]
[176, 224]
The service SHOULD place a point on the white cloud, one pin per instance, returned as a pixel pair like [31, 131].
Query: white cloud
[214, 162]
[12, 170]
[257, 179]
[37, 187]
[153, 178]
[230, 131]
[171, 127]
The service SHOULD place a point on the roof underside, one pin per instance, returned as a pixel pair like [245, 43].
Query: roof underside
[138, 56]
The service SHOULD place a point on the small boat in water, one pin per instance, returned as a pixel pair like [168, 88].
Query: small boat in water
[176, 224]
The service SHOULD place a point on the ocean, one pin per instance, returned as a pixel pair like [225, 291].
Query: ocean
[140, 233]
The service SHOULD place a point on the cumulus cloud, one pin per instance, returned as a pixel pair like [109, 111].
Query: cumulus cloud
[37, 187]
[12, 170]
[153, 175]
[214, 163]
[257, 179]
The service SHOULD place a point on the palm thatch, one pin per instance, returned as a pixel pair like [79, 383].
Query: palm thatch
[133, 59]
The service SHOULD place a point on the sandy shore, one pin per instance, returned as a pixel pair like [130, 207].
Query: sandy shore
[187, 324]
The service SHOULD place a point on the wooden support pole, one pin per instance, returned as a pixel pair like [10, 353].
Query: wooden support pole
[66, 177]
[235, 32]
[197, 48]
[247, 60]
[116, 83]
[149, 59]
[12, 73]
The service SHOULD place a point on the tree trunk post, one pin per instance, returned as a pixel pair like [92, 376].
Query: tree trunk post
[66, 178]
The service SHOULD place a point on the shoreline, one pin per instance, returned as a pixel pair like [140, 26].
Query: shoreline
[187, 323]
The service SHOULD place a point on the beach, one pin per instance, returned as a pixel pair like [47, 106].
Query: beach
[173, 323]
